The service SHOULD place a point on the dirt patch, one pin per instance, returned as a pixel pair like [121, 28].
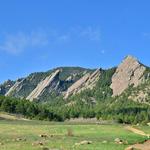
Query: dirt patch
[144, 146]
[136, 131]
[6, 116]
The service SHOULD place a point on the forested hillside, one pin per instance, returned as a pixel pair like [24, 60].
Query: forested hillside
[121, 93]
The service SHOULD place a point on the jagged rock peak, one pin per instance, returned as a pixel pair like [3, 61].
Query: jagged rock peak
[43, 85]
[129, 72]
[88, 81]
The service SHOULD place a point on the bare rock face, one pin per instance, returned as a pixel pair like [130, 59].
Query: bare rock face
[88, 81]
[4, 88]
[42, 86]
[15, 87]
[129, 72]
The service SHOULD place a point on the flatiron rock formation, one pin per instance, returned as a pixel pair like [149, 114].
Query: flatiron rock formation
[129, 72]
[42, 86]
[88, 81]
[4, 88]
[15, 88]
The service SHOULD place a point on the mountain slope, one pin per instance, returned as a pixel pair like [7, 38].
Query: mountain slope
[88, 85]
[88, 81]
[4, 88]
[121, 93]
[25, 87]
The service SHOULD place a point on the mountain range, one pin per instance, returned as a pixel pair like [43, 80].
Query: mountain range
[67, 82]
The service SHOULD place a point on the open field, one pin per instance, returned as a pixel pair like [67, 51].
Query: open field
[20, 135]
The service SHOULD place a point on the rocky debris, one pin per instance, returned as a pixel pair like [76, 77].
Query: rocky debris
[104, 142]
[83, 143]
[21, 139]
[129, 72]
[140, 97]
[38, 143]
[15, 88]
[118, 141]
[43, 135]
[88, 81]
[141, 93]
[148, 123]
[42, 86]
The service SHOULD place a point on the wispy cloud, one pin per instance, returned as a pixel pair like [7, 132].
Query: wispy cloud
[91, 33]
[17, 43]
[102, 51]
[63, 38]
[146, 34]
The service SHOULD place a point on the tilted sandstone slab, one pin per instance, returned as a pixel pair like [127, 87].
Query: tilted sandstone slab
[42, 86]
[15, 87]
[88, 81]
[4, 88]
[129, 72]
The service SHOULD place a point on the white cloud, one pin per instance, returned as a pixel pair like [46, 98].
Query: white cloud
[19, 42]
[16, 43]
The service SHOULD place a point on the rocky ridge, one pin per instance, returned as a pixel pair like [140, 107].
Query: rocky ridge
[88, 81]
[4, 88]
[15, 88]
[68, 81]
[129, 72]
[42, 86]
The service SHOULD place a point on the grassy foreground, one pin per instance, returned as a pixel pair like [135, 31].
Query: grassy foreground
[30, 131]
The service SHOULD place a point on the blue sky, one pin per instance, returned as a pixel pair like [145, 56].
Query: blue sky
[37, 35]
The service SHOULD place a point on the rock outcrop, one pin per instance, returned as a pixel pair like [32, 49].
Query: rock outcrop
[37, 92]
[129, 72]
[15, 88]
[141, 93]
[28, 84]
[88, 81]
[4, 88]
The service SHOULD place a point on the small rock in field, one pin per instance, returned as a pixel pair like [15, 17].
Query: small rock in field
[51, 135]
[19, 139]
[43, 135]
[86, 142]
[83, 143]
[104, 142]
[1, 143]
[118, 141]
[129, 148]
[37, 143]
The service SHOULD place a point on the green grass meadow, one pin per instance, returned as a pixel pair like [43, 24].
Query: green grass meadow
[30, 130]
